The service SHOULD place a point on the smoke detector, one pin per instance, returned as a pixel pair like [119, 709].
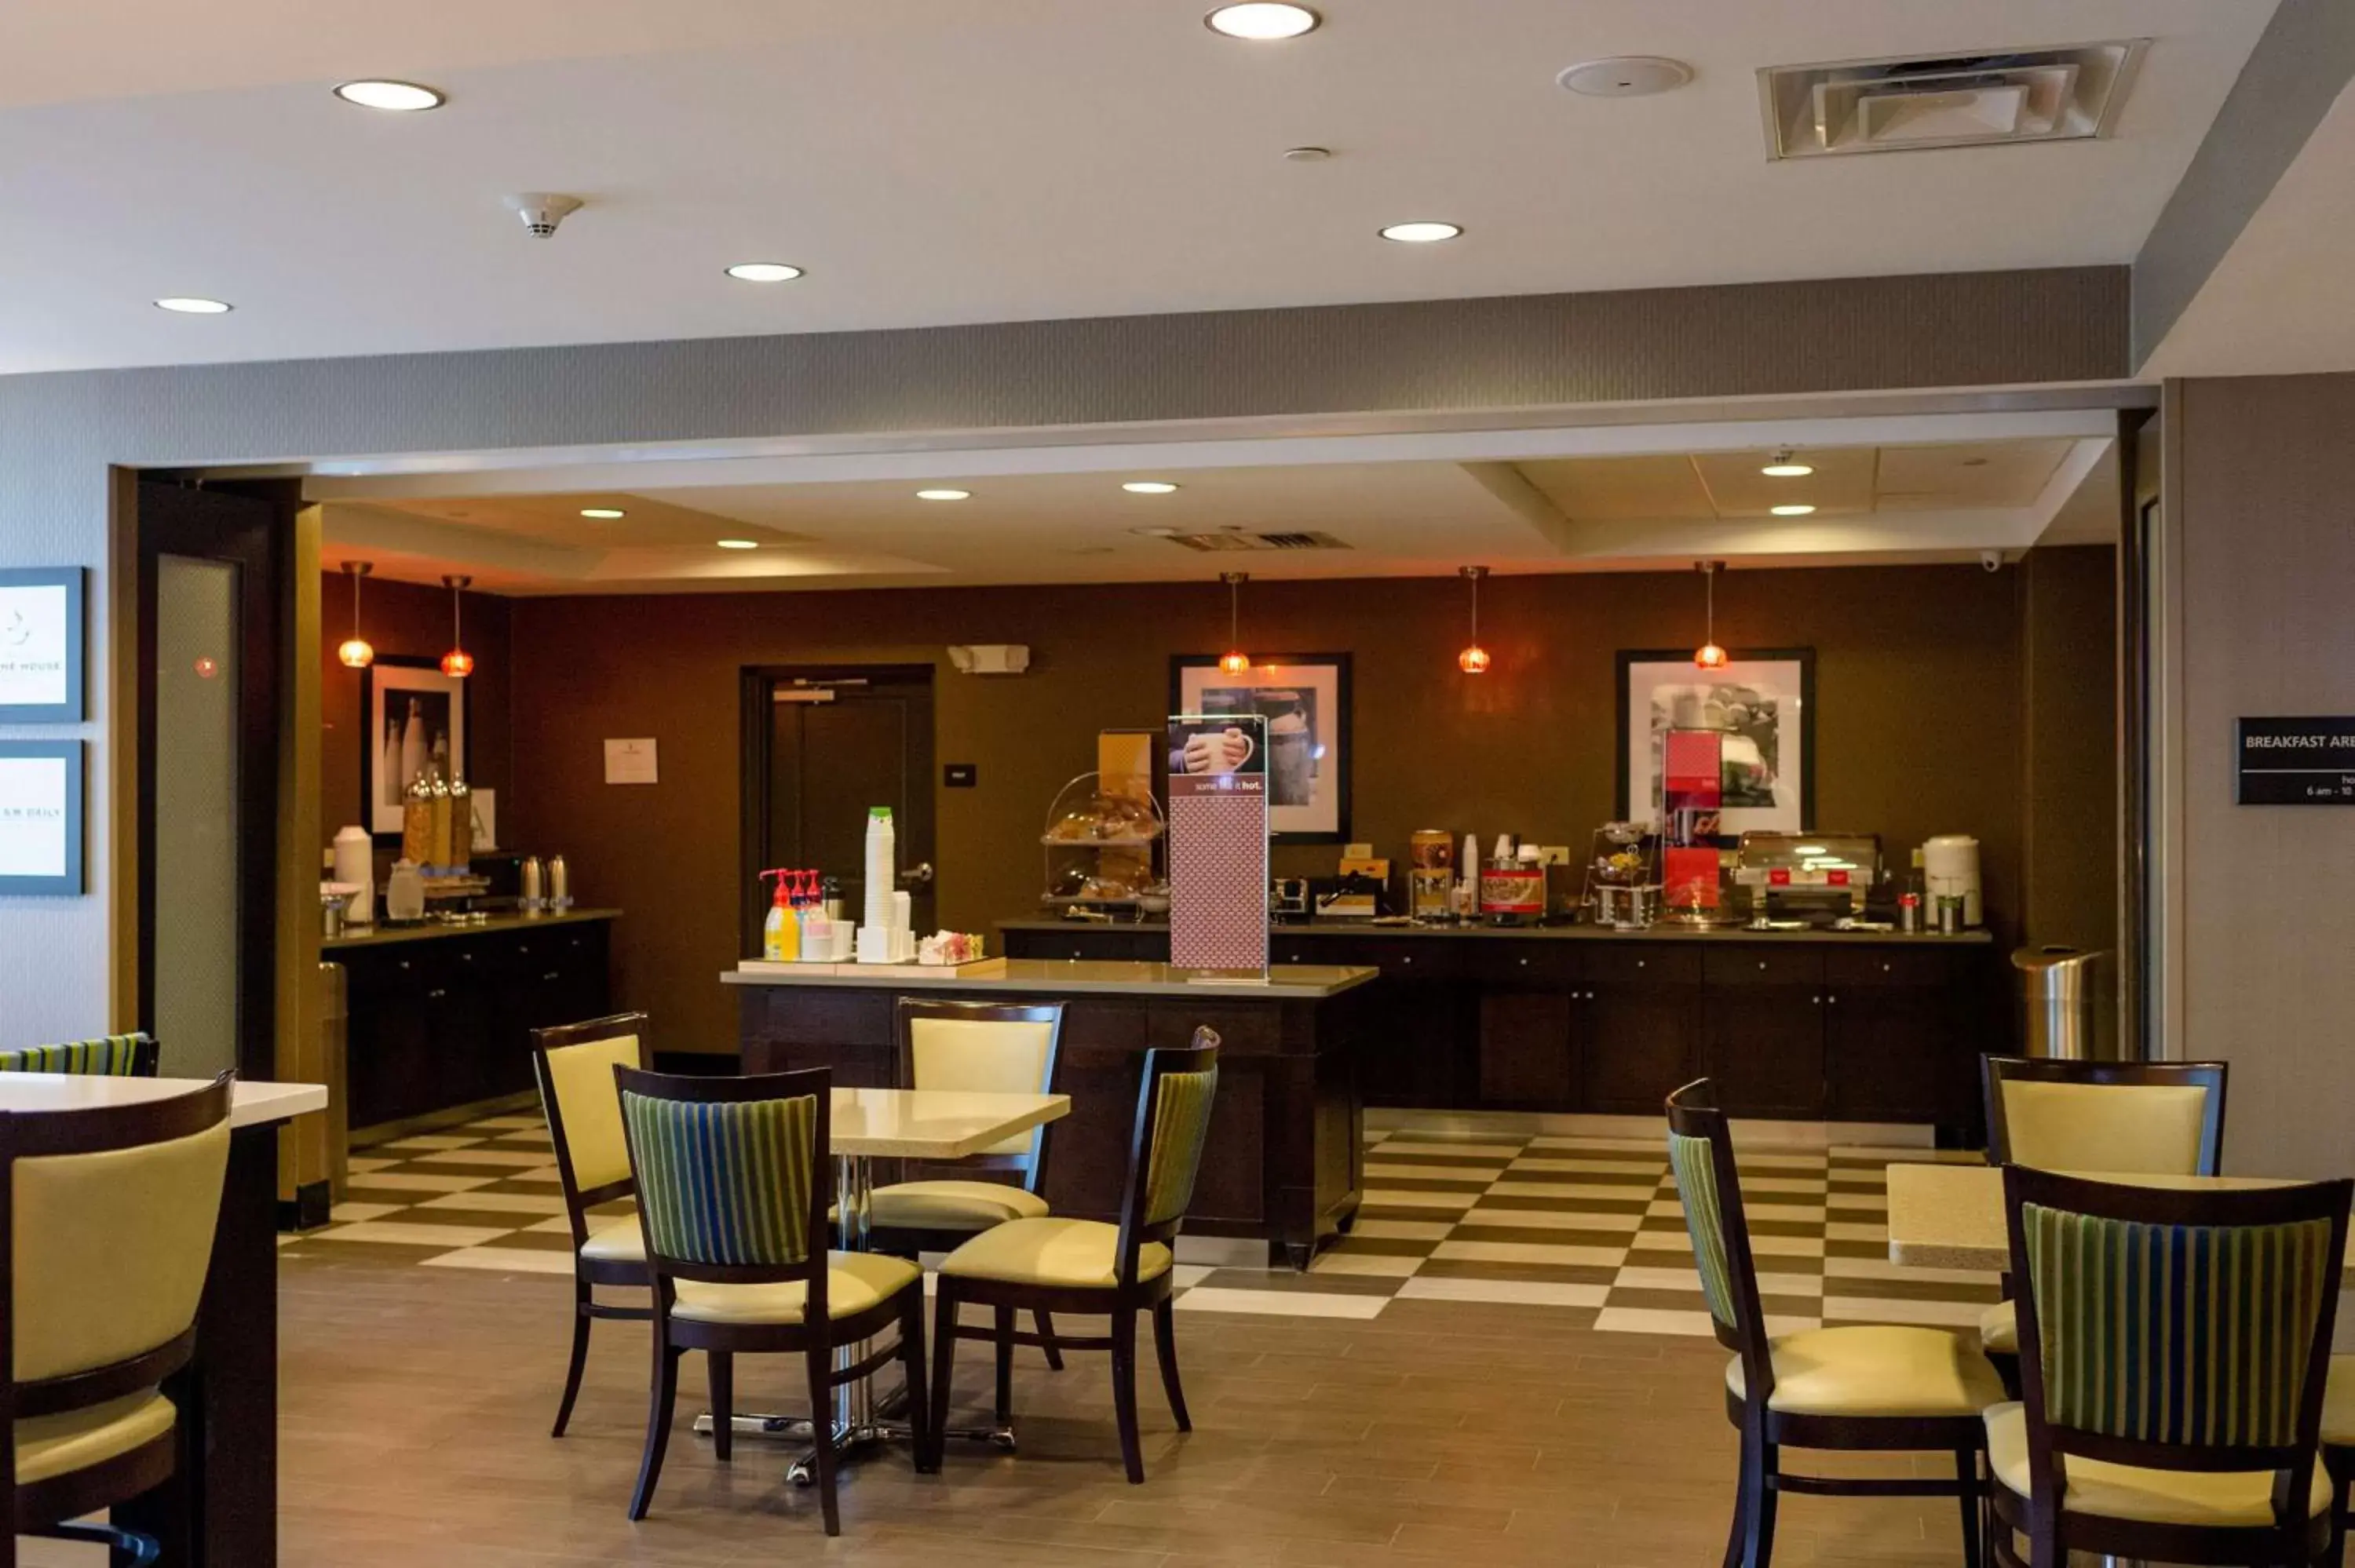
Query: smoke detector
[541, 211]
[1626, 76]
[1946, 100]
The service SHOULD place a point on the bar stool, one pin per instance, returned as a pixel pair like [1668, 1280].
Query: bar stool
[732, 1203]
[978, 1046]
[1042, 1264]
[95, 1330]
[573, 1065]
[2127, 1119]
[2174, 1348]
[109, 1055]
[1870, 1388]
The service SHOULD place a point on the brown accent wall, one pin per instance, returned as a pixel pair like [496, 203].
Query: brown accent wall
[1919, 721]
[2069, 747]
[410, 620]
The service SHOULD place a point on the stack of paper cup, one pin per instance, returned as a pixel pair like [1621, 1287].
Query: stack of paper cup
[903, 934]
[877, 944]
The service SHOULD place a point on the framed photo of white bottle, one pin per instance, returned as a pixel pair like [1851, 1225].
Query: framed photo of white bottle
[416, 721]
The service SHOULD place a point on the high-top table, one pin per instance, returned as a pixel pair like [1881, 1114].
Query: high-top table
[219, 1510]
[931, 1124]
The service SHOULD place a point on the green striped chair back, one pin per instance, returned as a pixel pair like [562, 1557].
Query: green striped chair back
[725, 1183]
[2198, 1335]
[1181, 1127]
[109, 1055]
[1692, 1158]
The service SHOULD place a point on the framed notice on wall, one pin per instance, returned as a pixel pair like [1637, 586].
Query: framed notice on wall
[40, 645]
[40, 817]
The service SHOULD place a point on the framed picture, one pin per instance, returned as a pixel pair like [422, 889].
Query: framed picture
[40, 818]
[1305, 699]
[40, 645]
[416, 719]
[1763, 703]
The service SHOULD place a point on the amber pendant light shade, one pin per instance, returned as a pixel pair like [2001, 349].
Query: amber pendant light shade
[356, 652]
[1234, 660]
[457, 663]
[1474, 660]
[1709, 655]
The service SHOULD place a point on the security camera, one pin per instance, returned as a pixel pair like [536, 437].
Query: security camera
[541, 211]
[1990, 560]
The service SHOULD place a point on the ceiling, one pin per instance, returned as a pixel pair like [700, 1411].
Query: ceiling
[1915, 500]
[937, 161]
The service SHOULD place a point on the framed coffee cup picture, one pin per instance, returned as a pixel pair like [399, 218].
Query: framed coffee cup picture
[1303, 702]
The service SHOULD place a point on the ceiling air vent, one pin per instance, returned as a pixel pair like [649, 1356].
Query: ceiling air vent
[1949, 100]
[1231, 539]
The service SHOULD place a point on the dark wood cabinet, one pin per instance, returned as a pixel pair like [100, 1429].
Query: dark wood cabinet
[444, 1020]
[1812, 1025]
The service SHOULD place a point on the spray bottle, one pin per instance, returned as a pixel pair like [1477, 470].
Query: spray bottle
[781, 932]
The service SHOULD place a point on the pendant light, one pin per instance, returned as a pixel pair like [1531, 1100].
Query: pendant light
[457, 663]
[356, 652]
[1709, 655]
[1234, 660]
[1474, 660]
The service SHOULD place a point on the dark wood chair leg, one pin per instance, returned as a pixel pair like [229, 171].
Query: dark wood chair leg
[1165, 1346]
[821, 1392]
[1751, 1544]
[582, 1296]
[1047, 1333]
[1966, 1470]
[944, 1338]
[719, 1370]
[1738, 1530]
[1123, 1393]
[1005, 1365]
[664, 1394]
[911, 1367]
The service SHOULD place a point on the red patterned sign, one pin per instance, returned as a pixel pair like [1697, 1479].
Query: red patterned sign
[1218, 844]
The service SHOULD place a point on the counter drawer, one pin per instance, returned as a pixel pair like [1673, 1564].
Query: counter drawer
[1548, 963]
[1656, 963]
[1758, 963]
[1908, 968]
[1398, 957]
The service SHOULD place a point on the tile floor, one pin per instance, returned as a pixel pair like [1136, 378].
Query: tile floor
[1588, 1228]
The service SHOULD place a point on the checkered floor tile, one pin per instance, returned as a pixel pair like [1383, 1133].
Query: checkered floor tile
[1587, 1227]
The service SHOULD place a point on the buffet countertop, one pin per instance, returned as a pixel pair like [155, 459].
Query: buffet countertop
[1722, 934]
[382, 935]
[1064, 978]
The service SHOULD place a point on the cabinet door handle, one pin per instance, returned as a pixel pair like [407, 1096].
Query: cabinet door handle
[548, 976]
[1830, 1000]
[1817, 999]
[1885, 969]
[1762, 963]
[404, 966]
[1407, 959]
[1525, 963]
[1639, 963]
[436, 994]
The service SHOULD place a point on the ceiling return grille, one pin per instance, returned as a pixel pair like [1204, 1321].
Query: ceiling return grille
[1233, 539]
[1947, 101]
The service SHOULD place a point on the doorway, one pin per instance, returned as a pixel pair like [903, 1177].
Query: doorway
[210, 649]
[822, 747]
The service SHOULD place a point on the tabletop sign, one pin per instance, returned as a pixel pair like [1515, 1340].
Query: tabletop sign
[1218, 843]
[2296, 762]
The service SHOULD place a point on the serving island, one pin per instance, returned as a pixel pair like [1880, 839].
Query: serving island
[1285, 1158]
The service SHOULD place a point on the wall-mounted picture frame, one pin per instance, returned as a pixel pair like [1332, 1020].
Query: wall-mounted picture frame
[1304, 698]
[1764, 701]
[416, 718]
[41, 818]
[41, 645]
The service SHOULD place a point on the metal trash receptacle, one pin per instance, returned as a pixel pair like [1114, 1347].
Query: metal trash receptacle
[2060, 991]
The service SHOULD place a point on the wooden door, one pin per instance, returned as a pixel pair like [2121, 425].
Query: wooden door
[1763, 1029]
[1638, 1019]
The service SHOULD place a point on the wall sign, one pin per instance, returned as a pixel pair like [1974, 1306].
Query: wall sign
[40, 817]
[1218, 843]
[40, 645]
[2296, 762]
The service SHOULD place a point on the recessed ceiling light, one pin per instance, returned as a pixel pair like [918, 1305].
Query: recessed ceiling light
[945, 496]
[1421, 232]
[740, 544]
[1149, 487]
[1263, 23]
[189, 305]
[1786, 467]
[1155, 533]
[603, 513]
[763, 272]
[1796, 509]
[394, 97]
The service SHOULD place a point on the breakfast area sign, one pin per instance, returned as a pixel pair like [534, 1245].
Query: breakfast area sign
[2296, 762]
[40, 645]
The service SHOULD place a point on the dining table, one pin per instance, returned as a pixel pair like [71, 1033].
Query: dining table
[219, 1510]
[933, 1126]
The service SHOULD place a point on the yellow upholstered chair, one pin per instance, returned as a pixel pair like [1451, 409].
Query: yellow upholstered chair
[1865, 1388]
[732, 1202]
[1043, 1265]
[108, 1056]
[2127, 1119]
[2174, 1350]
[2338, 1443]
[112, 1214]
[573, 1065]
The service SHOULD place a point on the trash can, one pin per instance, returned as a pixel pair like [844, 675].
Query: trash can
[2059, 995]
